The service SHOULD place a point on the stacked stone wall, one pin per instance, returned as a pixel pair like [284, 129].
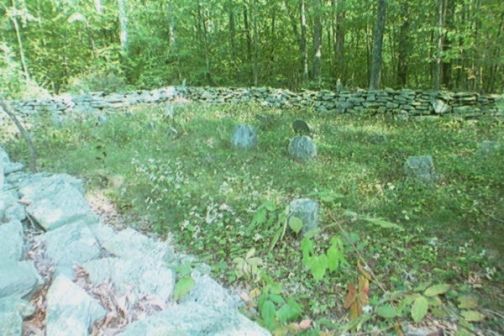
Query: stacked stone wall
[408, 102]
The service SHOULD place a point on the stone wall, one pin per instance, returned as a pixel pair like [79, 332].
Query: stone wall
[408, 102]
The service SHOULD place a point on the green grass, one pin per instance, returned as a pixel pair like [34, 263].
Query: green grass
[194, 186]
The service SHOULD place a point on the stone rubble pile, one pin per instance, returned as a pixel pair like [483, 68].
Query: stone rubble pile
[403, 102]
[73, 239]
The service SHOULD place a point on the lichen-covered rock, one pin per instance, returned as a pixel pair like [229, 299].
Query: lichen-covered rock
[302, 148]
[70, 245]
[8, 166]
[70, 310]
[18, 278]
[194, 319]
[307, 210]
[11, 240]
[244, 137]
[421, 168]
[130, 244]
[54, 202]
[440, 106]
[209, 293]
[12, 311]
[137, 277]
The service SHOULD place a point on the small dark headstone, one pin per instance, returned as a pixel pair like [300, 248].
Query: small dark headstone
[301, 127]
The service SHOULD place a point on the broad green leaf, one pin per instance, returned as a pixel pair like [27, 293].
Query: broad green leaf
[467, 302]
[386, 311]
[296, 224]
[269, 205]
[259, 218]
[318, 266]
[307, 246]
[250, 253]
[335, 255]
[268, 313]
[289, 311]
[419, 308]
[183, 287]
[437, 290]
[472, 316]
[382, 223]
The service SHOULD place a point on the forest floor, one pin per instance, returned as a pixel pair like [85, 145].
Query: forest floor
[432, 255]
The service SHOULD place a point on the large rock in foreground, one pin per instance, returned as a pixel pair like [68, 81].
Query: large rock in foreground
[302, 148]
[55, 201]
[18, 278]
[244, 137]
[421, 168]
[70, 310]
[307, 210]
[194, 319]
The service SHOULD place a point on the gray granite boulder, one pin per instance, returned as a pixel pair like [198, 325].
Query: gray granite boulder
[18, 278]
[194, 319]
[54, 202]
[140, 276]
[440, 106]
[11, 240]
[244, 137]
[421, 168]
[7, 165]
[209, 293]
[70, 245]
[12, 311]
[302, 148]
[130, 244]
[307, 210]
[10, 208]
[70, 310]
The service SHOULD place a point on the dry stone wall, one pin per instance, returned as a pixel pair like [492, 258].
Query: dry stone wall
[408, 102]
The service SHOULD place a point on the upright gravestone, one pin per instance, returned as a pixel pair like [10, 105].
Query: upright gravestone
[307, 210]
[302, 148]
[244, 137]
[421, 168]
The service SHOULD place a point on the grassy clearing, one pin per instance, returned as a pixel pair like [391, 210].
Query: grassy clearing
[219, 204]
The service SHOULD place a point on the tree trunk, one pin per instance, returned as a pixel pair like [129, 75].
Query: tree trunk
[303, 45]
[403, 46]
[255, 39]
[98, 6]
[247, 35]
[205, 43]
[232, 30]
[438, 67]
[446, 67]
[24, 134]
[123, 26]
[19, 41]
[338, 7]
[375, 77]
[317, 40]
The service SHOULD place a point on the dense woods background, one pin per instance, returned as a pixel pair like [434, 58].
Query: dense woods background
[114, 44]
